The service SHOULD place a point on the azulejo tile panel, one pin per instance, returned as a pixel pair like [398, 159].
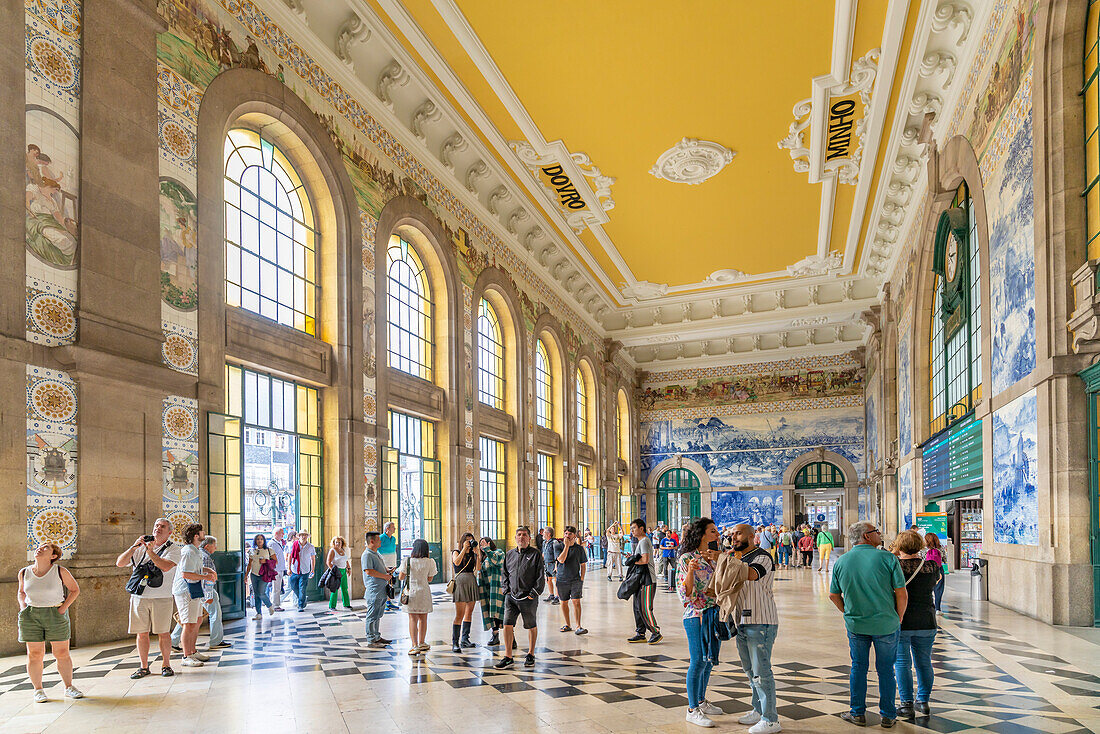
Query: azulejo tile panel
[1015, 472]
[52, 404]
[180, 462]
[370, 485]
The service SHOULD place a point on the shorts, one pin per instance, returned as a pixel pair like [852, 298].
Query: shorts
[189, 609]
[43, 624]
[150, 615]
[527, 608]
[552, 572]
[567, 590]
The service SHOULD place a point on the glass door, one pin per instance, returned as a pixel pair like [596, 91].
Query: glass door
[677, 498]
[224, 458]
[412, 500]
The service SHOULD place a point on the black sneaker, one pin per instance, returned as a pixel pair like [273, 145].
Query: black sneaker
[504, 663]
[556, 601]
[657, 637]
[922, 709]
[636, 638]
[493, 641]
[857, 719]
[887, 723]
[905, 710]
[221, 645]
[529, 661]
[177, 649]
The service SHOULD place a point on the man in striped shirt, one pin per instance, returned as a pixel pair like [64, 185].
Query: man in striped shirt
[757, 623]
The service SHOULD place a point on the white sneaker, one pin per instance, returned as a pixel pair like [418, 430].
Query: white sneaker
[750, 718]
[201, 657]
[766, 727]
[697, 717]
[192, 663]
[258, 616]
[73, 692]
[40, 696]
[709, 709]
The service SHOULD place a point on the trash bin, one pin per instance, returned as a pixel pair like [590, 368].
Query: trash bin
[979, 580]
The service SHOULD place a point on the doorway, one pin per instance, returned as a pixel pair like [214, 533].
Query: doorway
[677, 498]
[411, 490]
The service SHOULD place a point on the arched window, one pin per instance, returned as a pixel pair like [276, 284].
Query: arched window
[270, 236]
[410, 310]
[544, 395]
[582, 408]
[545, 491]
[1092, 127]
[955, 336]
[818, 475]
[490, 357]
[622, 426]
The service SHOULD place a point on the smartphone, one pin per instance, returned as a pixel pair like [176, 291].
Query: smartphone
[147, 538]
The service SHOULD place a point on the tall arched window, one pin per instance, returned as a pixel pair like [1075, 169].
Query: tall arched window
[410, 310]
[490, 357]
[1092, 127]
[955, 338]
[582, 408]
[270, 235]
[622, 426]
[544, 395]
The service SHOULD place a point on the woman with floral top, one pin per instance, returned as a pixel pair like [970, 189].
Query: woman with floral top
[696, 566]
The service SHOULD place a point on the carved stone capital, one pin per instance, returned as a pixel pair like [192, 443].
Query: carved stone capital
[1084, 322]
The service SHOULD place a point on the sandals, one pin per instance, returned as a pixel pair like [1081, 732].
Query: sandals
[565, 628]
[167, 672]
[139, 673]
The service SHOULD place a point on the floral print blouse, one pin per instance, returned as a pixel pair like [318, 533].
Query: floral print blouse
[697, 601]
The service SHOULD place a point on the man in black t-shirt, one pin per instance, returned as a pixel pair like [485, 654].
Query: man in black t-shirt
[572, 564]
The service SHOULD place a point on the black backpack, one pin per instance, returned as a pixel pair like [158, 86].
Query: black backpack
[146, 574]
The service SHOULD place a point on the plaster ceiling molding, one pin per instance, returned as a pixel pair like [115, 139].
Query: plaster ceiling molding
[861, 81]
[425, 113]
[298, 6]
[533, 234]
[808, 321]
[746, 303]
[454, 143]
[887, 232]
[939, 62]
[783, 337]
[544, 254]
[816, 265]
[838, 333]
[795, 143]
[557, 161]
[519, 215]
[685, 312]
[477, 170]
[780, 300]
[561, 269]
[692, 161]
[900, 192]
[643, 290]
[892, 213]
[814, 292]
[756, 342]
[665, 339]
[924, 102]
[628, 319]
[352, 31]
[716, 308]
[953, 14]
[394, 75]
[910, 136]
[570, 281]
[849, 290]
[725, 277]
[497, 197]
[907, 166]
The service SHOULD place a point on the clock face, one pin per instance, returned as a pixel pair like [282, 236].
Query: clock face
[952, 258]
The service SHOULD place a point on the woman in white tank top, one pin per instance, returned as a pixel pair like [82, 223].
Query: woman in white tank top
[46, 591]
[339, 560]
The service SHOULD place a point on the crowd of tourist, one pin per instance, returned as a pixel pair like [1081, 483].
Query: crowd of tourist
[723, 578]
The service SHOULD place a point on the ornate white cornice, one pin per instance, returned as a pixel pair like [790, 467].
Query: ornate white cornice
[692, 161]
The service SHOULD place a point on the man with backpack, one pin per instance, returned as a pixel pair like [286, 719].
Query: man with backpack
[153, 559]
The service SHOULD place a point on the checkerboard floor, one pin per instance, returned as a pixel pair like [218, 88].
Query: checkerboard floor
[995, 672]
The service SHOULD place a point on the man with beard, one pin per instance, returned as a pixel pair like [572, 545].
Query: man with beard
[757, 624]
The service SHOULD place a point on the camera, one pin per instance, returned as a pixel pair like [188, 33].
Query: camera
[147, 538]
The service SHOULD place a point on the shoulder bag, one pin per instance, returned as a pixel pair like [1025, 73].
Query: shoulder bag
[146, 574]
[405, 586]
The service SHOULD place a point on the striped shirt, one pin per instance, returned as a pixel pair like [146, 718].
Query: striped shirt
[755, 603]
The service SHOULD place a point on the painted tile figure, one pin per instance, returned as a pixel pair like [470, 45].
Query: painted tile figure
[178, 248]
[1015, 472]
[905, 496]
[905, 397]
[752, 507]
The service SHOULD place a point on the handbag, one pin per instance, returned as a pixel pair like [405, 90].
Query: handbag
[451, 586]
[405, 588]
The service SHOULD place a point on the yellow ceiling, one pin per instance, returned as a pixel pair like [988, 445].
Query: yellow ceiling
[624, 81]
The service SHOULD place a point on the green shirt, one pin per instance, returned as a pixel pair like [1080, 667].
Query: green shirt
[867, 577]
[824, 538]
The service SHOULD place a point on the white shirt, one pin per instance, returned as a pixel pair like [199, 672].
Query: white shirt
[279, 550]
[306, 556]
[164, 591]
[190, 562]
[43, 591]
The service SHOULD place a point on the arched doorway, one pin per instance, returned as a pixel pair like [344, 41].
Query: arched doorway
[818, 482]
[677, 497]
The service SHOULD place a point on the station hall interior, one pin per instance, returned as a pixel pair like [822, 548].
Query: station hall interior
[471, 267]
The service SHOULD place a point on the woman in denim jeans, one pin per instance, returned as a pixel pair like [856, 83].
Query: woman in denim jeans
[918, 628]
[695, 567]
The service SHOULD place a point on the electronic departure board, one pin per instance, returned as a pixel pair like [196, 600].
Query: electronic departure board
[953, 461]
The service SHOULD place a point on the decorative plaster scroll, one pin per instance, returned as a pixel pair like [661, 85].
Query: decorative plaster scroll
[643, 290]
[807, 321]
[454, 143]
[722, 277]
[795, 140]
[426, 112]
[937, 62]
[352, 31]
[394, 75]
[518, 215]
[816, 265]
[692, 161]
[473, 173]
[500, 195]
[529, 239]
[956, 14]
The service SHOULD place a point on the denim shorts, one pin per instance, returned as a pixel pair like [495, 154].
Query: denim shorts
[567, 590]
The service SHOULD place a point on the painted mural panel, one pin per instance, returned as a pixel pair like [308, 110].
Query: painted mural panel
[180, 462]
[905, 395]
[1007, 169]
[753, 450]
[51, 459]
[905, 496]
[1015, 472]
[751, 507]
[862, 507]
[52, 168]
[870, 405]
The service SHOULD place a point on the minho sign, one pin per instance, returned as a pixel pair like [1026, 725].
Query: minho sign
[841, 123]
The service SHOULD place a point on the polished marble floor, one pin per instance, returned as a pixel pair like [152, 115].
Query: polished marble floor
[311, 672]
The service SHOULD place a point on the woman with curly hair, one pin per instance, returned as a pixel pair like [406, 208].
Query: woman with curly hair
[693, 571]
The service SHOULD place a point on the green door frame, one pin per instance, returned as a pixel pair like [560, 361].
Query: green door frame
[677, 481]
[1091, 376]
[431, 519]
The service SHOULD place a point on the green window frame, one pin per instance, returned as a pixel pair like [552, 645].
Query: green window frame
[582, 408]
[819, 474]
[490, 357]
[1091, 95]
[492, 486]
[545, 491]
[544, 385]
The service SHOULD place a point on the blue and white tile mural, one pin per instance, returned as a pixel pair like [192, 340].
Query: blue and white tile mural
[905, 398]
[753, 449]
[905, 496]
[862, 509]
[752, 507]
[870, 404]
[1010, 199]
[1015, 472]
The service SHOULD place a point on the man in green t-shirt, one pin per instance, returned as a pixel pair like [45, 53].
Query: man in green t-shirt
[869, 588]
